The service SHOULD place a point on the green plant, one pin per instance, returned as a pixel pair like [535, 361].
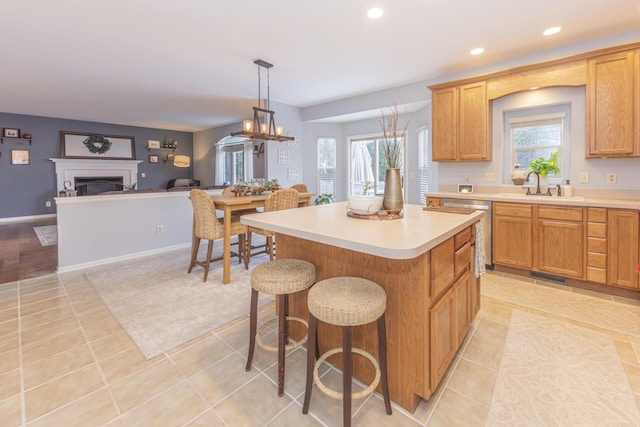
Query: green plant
[368, 185]
[324, 199]
[544, 167]
[130, 187]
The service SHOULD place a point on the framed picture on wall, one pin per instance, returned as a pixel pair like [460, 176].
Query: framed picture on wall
[10, 133]
[77, 145]
[19, 157]
[153, 158]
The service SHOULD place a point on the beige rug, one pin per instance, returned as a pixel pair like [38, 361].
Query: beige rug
[161, 306]
[572, 376]
[47, 234]
[601, 312]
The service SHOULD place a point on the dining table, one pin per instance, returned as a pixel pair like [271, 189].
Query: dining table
[232, 203]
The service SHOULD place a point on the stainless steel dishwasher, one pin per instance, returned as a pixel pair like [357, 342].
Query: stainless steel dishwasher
[482, 205]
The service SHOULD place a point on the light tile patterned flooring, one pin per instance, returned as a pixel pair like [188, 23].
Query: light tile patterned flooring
[64, 360]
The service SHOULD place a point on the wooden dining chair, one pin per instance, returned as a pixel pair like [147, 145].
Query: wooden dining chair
[206, 225]
[286, 198]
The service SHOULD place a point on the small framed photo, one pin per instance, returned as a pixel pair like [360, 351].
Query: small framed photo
[465, 188]
[19, 157]
[11, 133]
[170, 157]
[153, 144]
[154, 158]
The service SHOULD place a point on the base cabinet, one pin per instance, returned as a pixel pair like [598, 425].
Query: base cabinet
[512, 235]
[560, 241]
[622, 248]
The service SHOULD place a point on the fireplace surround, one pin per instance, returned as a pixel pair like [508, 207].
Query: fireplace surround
[67, 170]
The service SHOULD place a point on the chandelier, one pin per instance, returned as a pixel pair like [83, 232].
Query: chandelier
[263, 126]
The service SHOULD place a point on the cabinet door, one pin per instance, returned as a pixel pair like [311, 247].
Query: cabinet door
[444, 140]
[442, 337]
[561, 247]
[622, 248]
[512, 241]
[442, 267]
[612, 127]
[473, 136]
[461, 308]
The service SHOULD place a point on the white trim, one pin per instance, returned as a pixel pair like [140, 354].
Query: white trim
[26, 218]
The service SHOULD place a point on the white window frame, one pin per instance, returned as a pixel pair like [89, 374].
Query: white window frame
[539, 114]
[378, 139]
[423, 164]
[224, 145]
[323, 167]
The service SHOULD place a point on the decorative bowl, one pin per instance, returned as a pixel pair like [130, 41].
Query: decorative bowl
[365, 205]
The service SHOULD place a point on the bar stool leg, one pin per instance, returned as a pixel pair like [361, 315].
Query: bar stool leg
[282, 318]
[347, 373]
[312, 349]
[382, 352]
[253, 326]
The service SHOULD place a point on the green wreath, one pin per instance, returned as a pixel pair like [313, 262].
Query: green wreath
[97, 144]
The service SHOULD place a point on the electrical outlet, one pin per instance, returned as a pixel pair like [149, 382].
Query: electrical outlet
[466, 177]
[489, 176]
[611, 178]
[584, 177]
[143, 175]
[159, 229]
[47, 204]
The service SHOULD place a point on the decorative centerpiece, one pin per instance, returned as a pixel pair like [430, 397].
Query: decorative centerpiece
[393, 146]
[365, 204]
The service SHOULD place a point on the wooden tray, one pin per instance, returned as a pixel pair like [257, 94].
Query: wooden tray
[375, 216]
[449, 209]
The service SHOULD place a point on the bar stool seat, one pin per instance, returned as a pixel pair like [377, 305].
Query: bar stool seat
[281, 278]
[347, 302]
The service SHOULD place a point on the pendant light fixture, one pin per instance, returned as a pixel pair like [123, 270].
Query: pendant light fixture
[263, 126]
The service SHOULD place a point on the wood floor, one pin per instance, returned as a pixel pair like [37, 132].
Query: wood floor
[21, 254]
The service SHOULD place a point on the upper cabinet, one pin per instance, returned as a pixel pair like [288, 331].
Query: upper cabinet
[613, 97]
[461, 123]
[461, 110]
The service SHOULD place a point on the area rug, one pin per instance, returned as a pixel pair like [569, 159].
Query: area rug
[161, 306]
[603, 313]
[47, 234]
[553, 373]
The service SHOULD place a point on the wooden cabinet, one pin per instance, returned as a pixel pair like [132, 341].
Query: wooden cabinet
[613, 105]
[460, 117]
[512, 235]
[452, 309]
[622, 248]
[596, 245]
[560, 241]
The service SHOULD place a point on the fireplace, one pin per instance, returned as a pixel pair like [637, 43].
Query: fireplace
[96, 185]
[72, 173]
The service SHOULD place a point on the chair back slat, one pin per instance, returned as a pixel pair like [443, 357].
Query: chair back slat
[282, 199]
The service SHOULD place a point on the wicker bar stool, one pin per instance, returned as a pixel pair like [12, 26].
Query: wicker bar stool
[346, 302]
[281, 278]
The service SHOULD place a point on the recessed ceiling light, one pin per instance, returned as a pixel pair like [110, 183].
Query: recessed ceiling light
[551, 31]
[375, 13]
[476, 51]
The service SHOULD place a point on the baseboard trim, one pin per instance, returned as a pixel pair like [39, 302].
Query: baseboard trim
[27, 218]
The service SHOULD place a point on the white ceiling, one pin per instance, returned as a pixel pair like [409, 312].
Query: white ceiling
[188, 65]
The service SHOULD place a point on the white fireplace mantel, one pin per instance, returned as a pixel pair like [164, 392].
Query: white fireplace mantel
[70, 169]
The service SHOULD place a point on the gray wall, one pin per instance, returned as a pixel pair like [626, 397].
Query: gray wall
[24, 189]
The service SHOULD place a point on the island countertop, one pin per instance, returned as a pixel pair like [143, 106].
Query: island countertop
[417, 232]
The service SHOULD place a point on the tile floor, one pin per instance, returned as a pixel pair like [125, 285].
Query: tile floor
[64, 360]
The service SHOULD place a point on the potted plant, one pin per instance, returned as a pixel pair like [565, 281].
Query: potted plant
[324, 199]
[543, 167]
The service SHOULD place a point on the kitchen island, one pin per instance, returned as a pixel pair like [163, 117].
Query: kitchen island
[424, 261]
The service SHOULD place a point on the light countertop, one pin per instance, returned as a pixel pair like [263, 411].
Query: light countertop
[416, 233]
[550, 200]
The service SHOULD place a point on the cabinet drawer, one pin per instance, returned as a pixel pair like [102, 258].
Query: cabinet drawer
[567, 214]
[595, 229]
[462, 237]
[512, 209]
[595, 244]
[598, 275]
[462, 258]
[595, 259]
[597, 215]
